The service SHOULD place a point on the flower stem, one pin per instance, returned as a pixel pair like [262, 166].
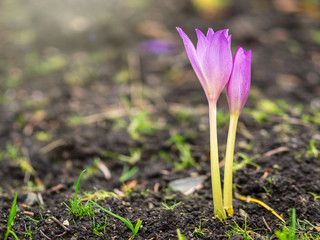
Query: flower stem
[214, 162]
[227, 184]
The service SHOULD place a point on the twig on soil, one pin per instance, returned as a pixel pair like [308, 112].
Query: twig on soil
[265, 223]
[64, 233]
[43, 235]
[156, 187]
[51, 146]
[222, 236]
[265, 174]
[118, 192]
[111, 113]
[276, 151]
[28, 213]
[56, 188]
[60, 223]
[250, 199]
[104, 169]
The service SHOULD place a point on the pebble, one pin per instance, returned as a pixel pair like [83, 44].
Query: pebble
[150, 205]
[66, 223]
[31, 199]
[187, 185]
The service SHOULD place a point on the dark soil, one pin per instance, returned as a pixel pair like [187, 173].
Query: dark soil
[66, 68]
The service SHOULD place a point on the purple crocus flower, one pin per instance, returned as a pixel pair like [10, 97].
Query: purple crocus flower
[239, 84]
[237, 93]
[211, 60]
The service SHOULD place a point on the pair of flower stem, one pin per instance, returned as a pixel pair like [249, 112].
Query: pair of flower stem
[220, 207]
[216, 69]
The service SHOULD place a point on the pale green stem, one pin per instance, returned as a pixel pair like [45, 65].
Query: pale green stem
[214, 162]
[227, 184]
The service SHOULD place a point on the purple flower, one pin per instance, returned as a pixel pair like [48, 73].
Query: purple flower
[239, 84]
[211, 60]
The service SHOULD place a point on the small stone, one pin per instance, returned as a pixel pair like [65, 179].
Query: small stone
[150, 205]
[187, 185]
[31, 199]
[66, 223]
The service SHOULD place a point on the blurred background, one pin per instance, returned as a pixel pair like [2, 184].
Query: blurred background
[50, 50]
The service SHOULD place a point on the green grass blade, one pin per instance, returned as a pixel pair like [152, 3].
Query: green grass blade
[12, 215]
[292, 232]
[77, 187]
[14, 235]
[136, 228]
[125, 221]
[180, 236]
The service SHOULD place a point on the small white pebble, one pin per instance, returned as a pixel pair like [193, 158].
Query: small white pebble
[66, 223]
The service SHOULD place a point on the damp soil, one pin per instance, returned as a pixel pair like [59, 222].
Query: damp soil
[98, 81]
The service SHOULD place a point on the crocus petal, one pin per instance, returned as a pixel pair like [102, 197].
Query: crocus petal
[225, 32]
[201, 45]
[239, 84]
[229, 39]
[210, 33]
[217, 63]
[192, 55]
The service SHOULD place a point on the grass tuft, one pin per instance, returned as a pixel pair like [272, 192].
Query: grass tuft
[76, 205]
